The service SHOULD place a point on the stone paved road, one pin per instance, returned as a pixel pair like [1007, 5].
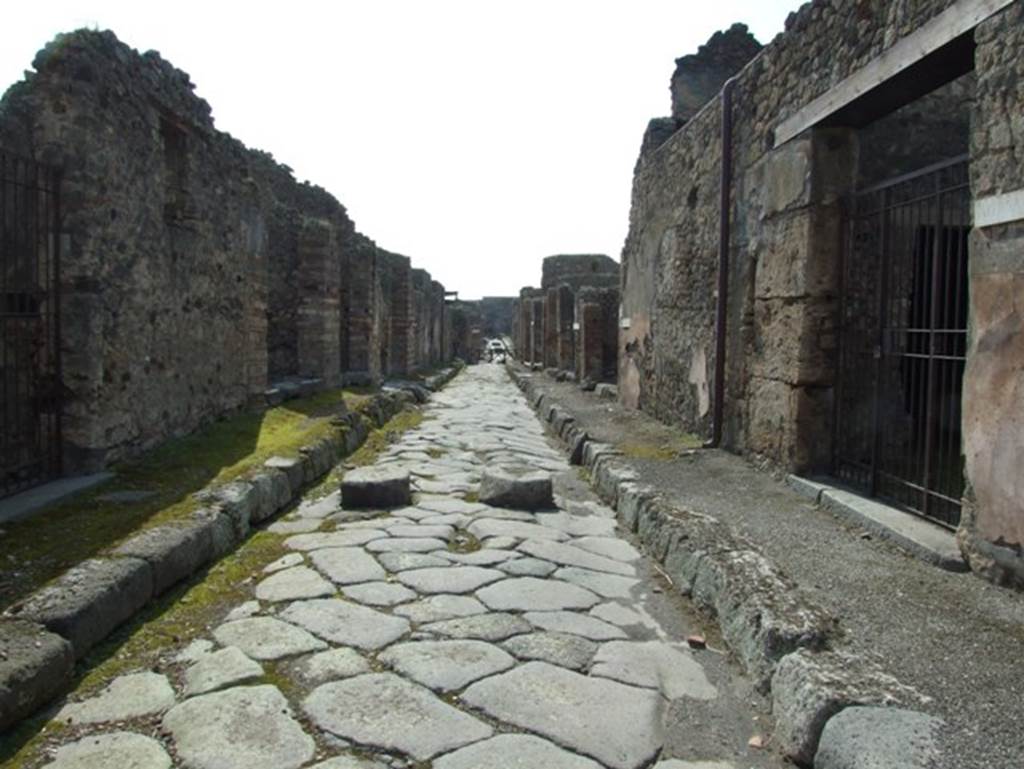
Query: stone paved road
[447, 634]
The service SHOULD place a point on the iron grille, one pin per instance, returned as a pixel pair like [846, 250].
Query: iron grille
[903, 341]
[29, 324]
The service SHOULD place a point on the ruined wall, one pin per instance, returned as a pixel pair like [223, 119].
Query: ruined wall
[195, 270]
[992, 528]
[578, 270]
[597, 336]
[698, 77]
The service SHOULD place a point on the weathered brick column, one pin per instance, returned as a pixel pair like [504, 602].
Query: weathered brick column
[549, 356]
[565, 348]
[319, 318]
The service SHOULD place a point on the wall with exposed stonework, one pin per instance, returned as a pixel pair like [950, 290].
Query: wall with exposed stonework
[195, 272]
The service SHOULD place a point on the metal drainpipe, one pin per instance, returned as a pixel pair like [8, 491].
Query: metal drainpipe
[721, 310]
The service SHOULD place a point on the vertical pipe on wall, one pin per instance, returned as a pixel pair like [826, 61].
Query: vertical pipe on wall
[722, 304]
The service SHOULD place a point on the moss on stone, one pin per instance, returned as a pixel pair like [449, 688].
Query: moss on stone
[662, 452]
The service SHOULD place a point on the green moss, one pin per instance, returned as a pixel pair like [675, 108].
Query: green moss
[663, 452]
[435, 453]
[42, 547]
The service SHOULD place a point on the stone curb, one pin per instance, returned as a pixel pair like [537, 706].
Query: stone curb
[780, 637]
[84, 605]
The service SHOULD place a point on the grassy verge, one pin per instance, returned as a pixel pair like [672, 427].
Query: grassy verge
[42, 547]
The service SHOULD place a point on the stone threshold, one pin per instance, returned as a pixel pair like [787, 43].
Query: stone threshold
[788, 644]
[923, 540]
[40, 497]
[43, 636]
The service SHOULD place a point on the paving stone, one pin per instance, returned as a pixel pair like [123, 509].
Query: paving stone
[670, 668]
[675, 763]
[298, 526]
[266, 638]
[446, 666]
[516, 486]
[284, 562]
[440, 607]
[348, 762]
[567, 555]
[129, 696]
[479, 557]
[414, 513]
[384, 711]
[624, 616]
[534, 594]
[292, 584]
[221, 669]
[441, 487]
[577, 624]
[379, 593]
[319, 508]
[607, 585]
[422, 530]
[497, 514]
[243, 611]
[457, 520]
[126, 750]
[346, 623]
[407, 545]
[247, 727]
[578, 525]
[318, 541]
[347, 565]
[868, 737]
[514, 751]
[562, 649]
[484, 627]
[573, 710]
[482, 528]
[396, 562]
[610, 547]
[196, 650]
[331, 665]
[378, 486]
[449, 579]
[528, 567]
[500, 543]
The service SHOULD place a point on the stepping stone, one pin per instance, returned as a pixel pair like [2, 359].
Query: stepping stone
[576, 624]
[378, 486]
[517, 487]
[480, 557]
[577, 525]
[347, 565]
[446, 666]
[120, 749]
[379, 593]
[422, 530]
[562, 649]
[440, 607]
[482, 528]
[449, 579]
[407, 545]
[396, 562]
[607, 585]
[266, 638]
[284, 562]
[514, 751]
[573, 710]
[219, 670]
[247, 727]
[482, 627]
[130, 696]
[293, 584]
[610, 547]
[351, 538]
[533, 594]
[528, 567]
[669, 668]
[346, 623]
[331, 665]
[567, 555]
[381, 710]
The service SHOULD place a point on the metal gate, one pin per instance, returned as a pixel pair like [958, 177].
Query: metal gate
[29, 324]
[903, 341]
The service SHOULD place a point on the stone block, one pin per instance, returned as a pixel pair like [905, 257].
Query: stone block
[632, 497]
[220, 528]
[238, 500]
[605, 390]
[35, 664]
[173, 553]
[375, 487]
[880, 738]
[291, 467]
[809, 688]
[91, 599]
[519, 488]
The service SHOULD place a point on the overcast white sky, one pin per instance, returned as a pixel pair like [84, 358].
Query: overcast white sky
[475, 136]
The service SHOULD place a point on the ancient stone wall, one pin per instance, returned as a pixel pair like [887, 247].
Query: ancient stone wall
[497, 314]
[194, 271]
[578, 270]
[700, 76]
